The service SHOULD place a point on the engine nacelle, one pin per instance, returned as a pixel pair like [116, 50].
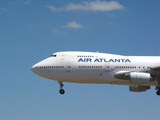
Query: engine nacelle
[140, 78]
[136, 88]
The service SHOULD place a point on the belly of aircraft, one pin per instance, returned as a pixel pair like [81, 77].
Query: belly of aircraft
[89, 78]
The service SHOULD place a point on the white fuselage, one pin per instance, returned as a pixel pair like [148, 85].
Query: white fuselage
[95, 68]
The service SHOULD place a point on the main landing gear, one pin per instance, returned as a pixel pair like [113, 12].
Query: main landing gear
[61, 91]
[158, 87]
[158, 92]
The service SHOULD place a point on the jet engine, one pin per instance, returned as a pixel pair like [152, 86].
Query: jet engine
[140, 78]
[136, 88]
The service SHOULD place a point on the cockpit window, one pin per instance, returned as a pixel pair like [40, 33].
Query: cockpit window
[53, 55]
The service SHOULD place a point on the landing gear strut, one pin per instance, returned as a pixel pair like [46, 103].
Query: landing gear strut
[61, 91]
[158, 87]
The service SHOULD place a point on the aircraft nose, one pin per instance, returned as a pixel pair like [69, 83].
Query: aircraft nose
[33, 68]
[37, 67]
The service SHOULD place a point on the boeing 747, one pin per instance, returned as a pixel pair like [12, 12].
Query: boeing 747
[139, 72]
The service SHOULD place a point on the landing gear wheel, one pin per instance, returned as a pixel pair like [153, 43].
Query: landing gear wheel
[158, 92]
[61, 91]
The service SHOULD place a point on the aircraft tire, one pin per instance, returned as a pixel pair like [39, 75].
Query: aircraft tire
[158, 92]
[61, 91]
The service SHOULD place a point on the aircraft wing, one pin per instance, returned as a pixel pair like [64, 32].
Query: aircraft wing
[157, 68]
[154, 71]
[140, 77]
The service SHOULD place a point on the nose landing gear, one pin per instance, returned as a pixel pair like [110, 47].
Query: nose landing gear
[61, 91]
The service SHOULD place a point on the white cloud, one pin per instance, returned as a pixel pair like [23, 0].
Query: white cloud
[97, 5]
[73, 25]
[24, 1]
[55, 30]
[27, 2]
[51, 7]
[59, 32]
[4, 9]
[110, 23]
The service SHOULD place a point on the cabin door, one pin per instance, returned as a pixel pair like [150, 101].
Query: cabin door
[68, 69]
[107, 67]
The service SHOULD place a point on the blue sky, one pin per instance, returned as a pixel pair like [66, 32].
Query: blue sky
[31, 30]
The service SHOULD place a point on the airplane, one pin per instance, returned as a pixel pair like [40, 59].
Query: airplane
[139, 72]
